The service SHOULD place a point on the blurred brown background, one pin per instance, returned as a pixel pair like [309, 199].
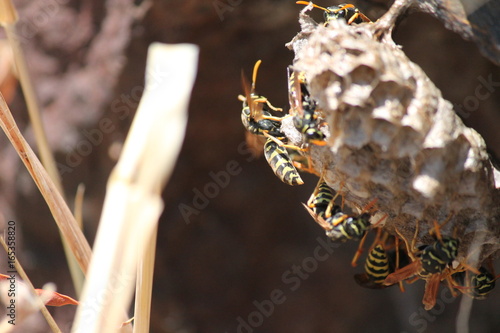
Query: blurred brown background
[248, 258]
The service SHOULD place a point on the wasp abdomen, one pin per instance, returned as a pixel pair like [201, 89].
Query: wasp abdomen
[280, 162]
[377, 264]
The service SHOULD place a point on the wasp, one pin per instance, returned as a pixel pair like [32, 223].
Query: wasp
[257, 119]
[477, 285]
[341, 227]
[255, 114]
[348, 12]
[428, 262]
[376, 269]
[379, 264]
[301, 162]
[281, 163]
[322, 201]
[303, 108]
[345, 227]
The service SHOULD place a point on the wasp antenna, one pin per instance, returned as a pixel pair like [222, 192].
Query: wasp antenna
[254, 76]
[436, 230]
[437, 227]
[344, 7]
[409, 247]
[305, 3]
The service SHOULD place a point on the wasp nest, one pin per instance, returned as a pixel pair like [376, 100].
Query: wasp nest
[392, 136]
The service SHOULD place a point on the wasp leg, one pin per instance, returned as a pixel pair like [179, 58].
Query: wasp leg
[430, 293]
[306, 167]
[281, 144]
[359, 251]
[396, 244]
[354, 17]
[264, 100]
[365, 18]
[410, 249]
[331, 205]
[315, 193]
[273, 107]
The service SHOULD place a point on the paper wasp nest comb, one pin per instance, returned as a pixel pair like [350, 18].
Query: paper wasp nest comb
[393, 137]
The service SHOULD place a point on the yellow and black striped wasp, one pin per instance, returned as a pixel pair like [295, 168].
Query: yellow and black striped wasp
[281, 163]
[256, 113]
[377, 268]
[258, 121]
[475, 284]
[380, 262]
[338, 226]
[322, 201]
[343, 227]
[303, 108]
[348, 12]
[428, 262]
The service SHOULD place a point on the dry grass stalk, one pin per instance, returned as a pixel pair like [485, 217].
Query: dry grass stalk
[58, 207]
[39, 301]
[76, 272]
[8, 21]
[133, 201]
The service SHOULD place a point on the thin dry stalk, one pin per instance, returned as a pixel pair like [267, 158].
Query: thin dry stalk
[38, 299]
[8, 21]
[133, 201]
[60, 211]
[76, 272]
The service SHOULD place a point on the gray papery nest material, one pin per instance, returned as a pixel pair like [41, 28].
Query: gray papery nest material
[393, 137]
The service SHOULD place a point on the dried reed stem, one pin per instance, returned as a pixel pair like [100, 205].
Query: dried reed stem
[8, 21]
[60, 211]
[133, 201]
